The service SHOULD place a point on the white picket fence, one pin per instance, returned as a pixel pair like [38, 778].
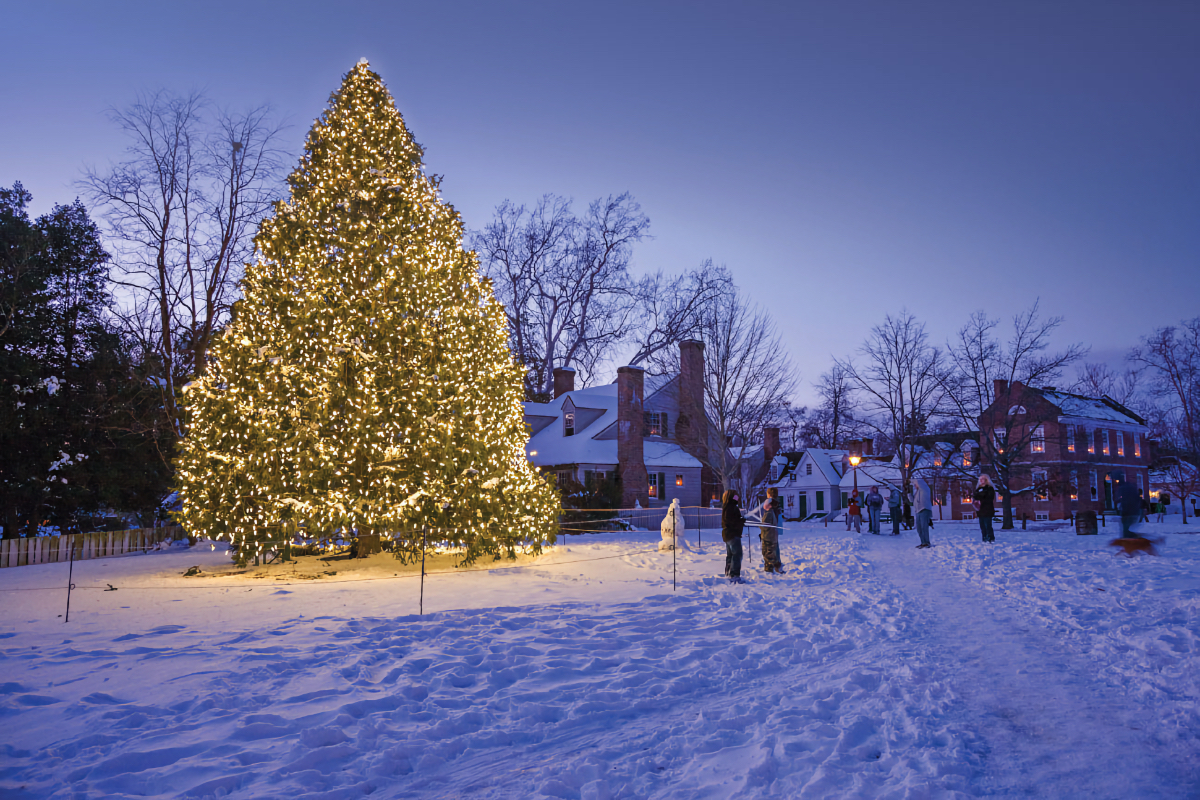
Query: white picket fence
[98, 544]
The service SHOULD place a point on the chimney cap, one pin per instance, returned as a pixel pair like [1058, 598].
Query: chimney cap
[691, 341]
[564, 369]
[631, 368]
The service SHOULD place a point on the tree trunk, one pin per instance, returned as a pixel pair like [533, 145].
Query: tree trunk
[1006, 504]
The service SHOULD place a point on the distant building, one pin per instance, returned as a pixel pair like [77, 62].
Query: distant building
[649, 432]
[1072, 448]
[808, 482]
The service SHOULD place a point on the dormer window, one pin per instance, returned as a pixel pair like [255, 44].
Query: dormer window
[569, 423]
[774, 473]
[654, 423]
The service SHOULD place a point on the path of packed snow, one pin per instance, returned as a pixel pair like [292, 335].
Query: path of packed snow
[1040, 666]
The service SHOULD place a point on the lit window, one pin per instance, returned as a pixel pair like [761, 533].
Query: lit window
[1039, 485]
[679, 480]
[652, 478]
[1070, 438]
[655, 423]
[1120, 443]
[1104, 441]
[569, 423]
[999, 436]
[1091, 440]
[1074, 485]
[966, 458]
[1037, 442]
[1137, 445]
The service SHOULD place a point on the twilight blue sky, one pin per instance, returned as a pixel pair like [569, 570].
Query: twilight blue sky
[844, 160]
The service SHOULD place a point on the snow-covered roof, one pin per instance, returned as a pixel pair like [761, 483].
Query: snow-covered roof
[828, 461]
[552, 447]
[1074, 405]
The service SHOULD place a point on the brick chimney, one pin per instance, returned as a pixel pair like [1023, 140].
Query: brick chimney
[868, 447]
[1000, 389]
[691, 429]
[564, 381]
[770, 444]
[631, 459]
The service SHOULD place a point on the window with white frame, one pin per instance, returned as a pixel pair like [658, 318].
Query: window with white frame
[1095, 486]
[1091, 441]
[791, 500]
[1137, 445]
[1040, 491]
[652, 480]
[1104, 441]
[655, 423]
[678, 479]
[569, 423]
[1141, 483]
[1037, 441]
[774, 472]
[1074, 485]
[1120, 443]
[999, 436]
[1070, 438]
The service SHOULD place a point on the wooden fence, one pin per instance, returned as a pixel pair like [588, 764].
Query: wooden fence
[99, 544]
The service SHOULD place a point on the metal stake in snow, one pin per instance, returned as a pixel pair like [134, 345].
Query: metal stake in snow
[424, 537]
[674, 547]
[70, 578]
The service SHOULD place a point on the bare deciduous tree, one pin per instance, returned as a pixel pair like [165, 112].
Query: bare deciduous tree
[898, 380]
[835, 420]
[1170, 360]
[180, 211]
[1100, 380]
[569, 295]
[977, 359]
[748, 379]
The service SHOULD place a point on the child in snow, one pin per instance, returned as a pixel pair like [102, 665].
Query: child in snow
[732, 523]
[854, 514]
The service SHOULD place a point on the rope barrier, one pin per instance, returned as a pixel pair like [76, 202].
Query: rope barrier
[323, 582]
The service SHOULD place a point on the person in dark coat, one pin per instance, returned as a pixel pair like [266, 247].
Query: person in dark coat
[1129, 504]
[874, 509]
[984, 501]
[895, 509]
[732, 523]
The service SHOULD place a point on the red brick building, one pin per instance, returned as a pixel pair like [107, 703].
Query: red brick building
[1061, 450]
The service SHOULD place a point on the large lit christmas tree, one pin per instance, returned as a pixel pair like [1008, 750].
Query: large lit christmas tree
[364, 385]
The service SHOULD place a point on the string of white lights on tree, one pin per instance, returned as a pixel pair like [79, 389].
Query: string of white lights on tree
[364, 384]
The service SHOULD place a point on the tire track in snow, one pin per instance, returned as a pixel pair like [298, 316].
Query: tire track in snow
[1052, 728]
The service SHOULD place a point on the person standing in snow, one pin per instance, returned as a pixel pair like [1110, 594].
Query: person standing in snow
[874, 509]
[1129, 504]
[1160, 508]
[768, 533]
[895, 509]
[854, 513]
[984, 501]
[922, 505]
[732, 523]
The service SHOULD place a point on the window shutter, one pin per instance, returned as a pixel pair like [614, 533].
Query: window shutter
[662, 486]
[662, 420]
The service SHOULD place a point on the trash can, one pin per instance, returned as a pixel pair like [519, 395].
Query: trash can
[1085, 523]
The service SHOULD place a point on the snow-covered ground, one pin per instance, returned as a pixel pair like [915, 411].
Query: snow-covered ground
[1041, 666]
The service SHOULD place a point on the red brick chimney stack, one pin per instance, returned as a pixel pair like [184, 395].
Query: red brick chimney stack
[770, 444]
[692, 427]
[564, 381]
[868, 447]
[631, 458]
